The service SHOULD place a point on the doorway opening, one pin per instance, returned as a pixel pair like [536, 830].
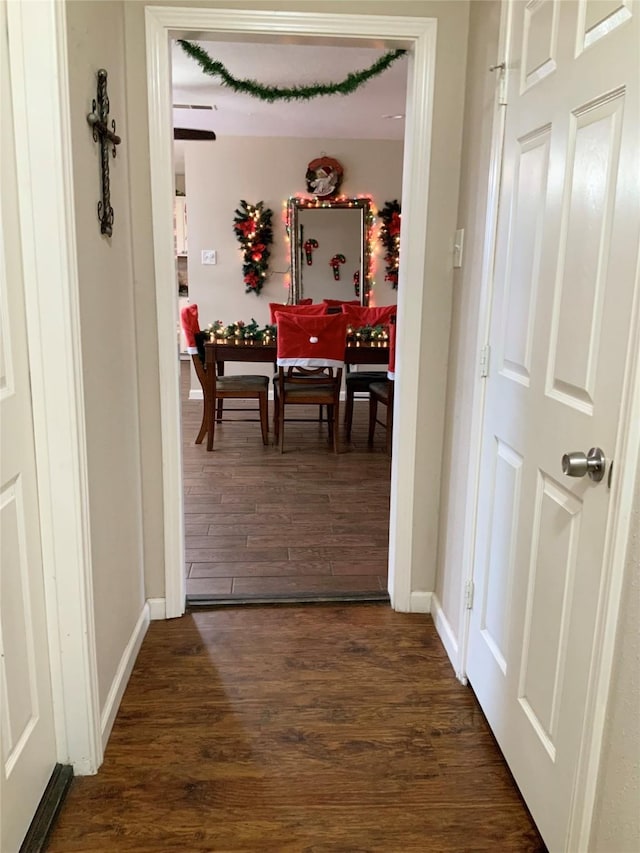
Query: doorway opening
[307, 524]
[417, 35]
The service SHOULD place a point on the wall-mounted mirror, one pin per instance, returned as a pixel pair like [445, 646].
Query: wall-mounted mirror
[329, 248]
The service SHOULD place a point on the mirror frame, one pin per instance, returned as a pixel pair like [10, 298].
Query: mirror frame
[295, 205]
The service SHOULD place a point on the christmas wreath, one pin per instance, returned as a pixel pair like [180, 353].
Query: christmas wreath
[252, 227]
[390, 237]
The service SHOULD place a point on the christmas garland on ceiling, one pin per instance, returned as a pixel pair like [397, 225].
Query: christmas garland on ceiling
[350, 83]
[252, 227]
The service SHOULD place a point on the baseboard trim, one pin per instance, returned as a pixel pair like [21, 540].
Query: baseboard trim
[195, 602]
[445, 632]
[420, 602]
[123, 672]
[157, 608]
[35, 841]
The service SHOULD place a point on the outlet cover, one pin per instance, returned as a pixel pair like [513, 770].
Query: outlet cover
[209, 256]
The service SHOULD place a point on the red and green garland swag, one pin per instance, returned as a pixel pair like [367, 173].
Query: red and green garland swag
[390, 237]
[252, 227]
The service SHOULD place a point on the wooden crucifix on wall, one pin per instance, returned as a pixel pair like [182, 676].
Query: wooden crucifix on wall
[98, 118]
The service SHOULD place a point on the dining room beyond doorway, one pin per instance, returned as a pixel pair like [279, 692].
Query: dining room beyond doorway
[304, 525]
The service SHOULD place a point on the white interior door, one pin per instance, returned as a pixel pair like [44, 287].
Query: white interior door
[28, 745]
[560, 323]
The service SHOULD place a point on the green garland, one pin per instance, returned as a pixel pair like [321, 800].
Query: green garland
[391, 215]
[241, 331]
[252, 227]
[276, 93]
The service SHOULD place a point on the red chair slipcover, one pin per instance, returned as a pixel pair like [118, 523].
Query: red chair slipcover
[311, 341]
[391, 369]
[314, 310]
[358, 316]
[190, 326]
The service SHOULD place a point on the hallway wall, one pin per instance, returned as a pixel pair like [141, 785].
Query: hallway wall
[95, 34]
[484, 26]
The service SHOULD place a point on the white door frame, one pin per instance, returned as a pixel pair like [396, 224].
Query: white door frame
[419, 34]
[627, 457]
[40, 93]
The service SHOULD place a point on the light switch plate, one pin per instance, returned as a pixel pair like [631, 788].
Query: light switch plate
[458, 243]
[209, 256]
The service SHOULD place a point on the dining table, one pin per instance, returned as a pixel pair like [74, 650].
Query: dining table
[217, 353]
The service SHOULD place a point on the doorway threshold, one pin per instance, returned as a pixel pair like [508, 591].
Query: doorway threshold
[198, 602]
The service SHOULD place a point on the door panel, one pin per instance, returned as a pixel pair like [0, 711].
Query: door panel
[28, 746]
[564, 278]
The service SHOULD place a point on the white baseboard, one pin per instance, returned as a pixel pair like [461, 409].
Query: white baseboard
[420, 602]
[123, 672]
[157, 608]
[445, 632]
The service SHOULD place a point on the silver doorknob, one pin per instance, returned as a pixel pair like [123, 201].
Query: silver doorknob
[577, 464]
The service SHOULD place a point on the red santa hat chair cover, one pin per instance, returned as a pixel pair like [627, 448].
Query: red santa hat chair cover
[305, 310]
[359, 315]
[190, 326]
[310, 361]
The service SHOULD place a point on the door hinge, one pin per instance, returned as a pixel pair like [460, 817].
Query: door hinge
[501, 68]
[468, 595]
[485, 354]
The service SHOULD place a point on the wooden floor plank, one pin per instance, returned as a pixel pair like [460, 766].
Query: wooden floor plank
[298, 728]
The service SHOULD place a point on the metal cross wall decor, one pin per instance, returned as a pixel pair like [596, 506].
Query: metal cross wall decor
[98, 119]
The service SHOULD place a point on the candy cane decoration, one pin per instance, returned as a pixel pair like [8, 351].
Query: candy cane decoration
[309, 247]
[334, 263]
[356, 282]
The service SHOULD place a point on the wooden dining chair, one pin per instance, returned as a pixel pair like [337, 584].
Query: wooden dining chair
[310, 363]
[218, 388]
[382, 392]
[359, 381]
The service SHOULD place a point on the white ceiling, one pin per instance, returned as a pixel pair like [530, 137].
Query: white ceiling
[361, 115]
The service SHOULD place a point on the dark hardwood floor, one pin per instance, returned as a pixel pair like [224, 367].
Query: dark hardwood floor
[308, 521]
[286, 729]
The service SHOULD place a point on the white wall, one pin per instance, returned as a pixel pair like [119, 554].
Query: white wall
[484, 25]
[221, 173]
[96, 40]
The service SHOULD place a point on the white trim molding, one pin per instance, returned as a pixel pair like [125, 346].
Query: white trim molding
[446, 634]
[40, 94]
[123, 673]
[421, 602]
[157, 608]
[419, 36]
